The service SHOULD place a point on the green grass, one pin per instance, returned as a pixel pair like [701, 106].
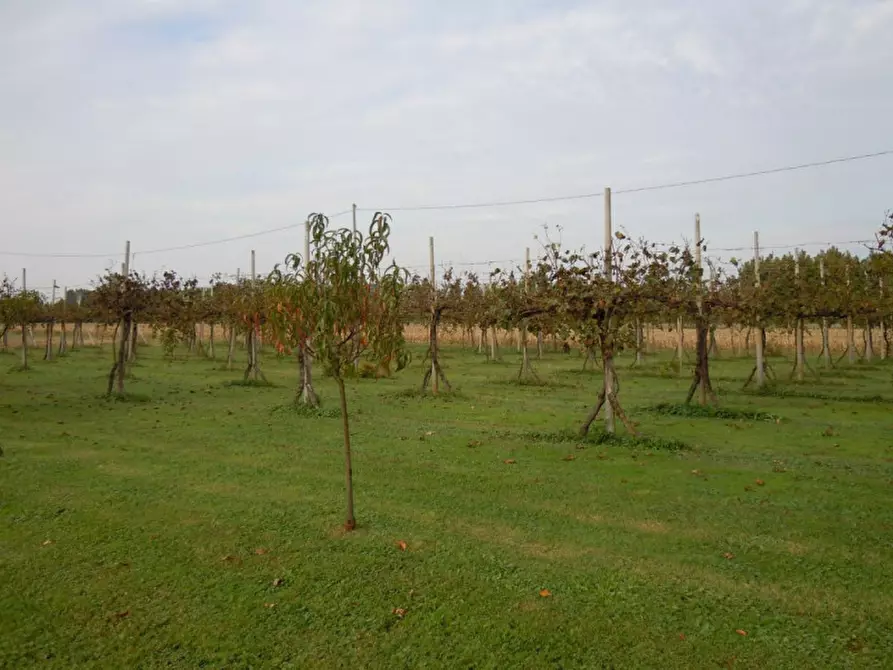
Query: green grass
[129, 530]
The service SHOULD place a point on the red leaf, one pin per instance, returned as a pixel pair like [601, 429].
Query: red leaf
[545, 593]
[682, 636]
[760, 482]
[401, 545]
[399, 611]
[569, 457]
[510, 461]
[741, 632]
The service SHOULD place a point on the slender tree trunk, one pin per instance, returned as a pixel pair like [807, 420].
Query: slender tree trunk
[306, 394]
[232, 347]
[119, 353]
[885, 343]
[434, 374]
[539, 344]
[24, 346]
[701, 381]
[526, 371]
[211, 353]
[131, 349]
[351, 521]
[800, 364]
[680, 344]
[851, 340]
[48, 353]
[482, 342]
[826, 344]
[5, 338]
[869, 342]
[640, 343]
[63, 340]
[494, 344]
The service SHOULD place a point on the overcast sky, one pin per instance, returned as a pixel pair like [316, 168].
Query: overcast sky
[169, 122]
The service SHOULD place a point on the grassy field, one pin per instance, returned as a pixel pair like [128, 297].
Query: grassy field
[199, 524]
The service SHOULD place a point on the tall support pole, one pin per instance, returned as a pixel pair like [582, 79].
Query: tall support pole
[434, 380]
[826, 334]
[525, 354]
[883, 324]
[48, 353]
[354, 211]
[761, 368]
[702, 348]
[24, 322]
[125, 336]
[608, 355]
[306, 394]
[800, 357]
[850, 328]
[254, 323]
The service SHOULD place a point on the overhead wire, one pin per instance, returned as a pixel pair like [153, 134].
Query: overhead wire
[485, 204]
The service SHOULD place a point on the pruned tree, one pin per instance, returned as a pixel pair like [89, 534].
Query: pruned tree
[124, 299]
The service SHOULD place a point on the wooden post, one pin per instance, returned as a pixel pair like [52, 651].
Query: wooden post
[354, 208]
[232, 331]
[883, 323]
[702, 348]
[434, 380]
[608, 355]
[525, 355]
[254, 328]
[850, 329]
[24, 323]
[826, 335]
[761, 369]
[48, 353]
[800, 364]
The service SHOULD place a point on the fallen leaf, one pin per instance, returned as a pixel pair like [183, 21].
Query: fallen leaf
[545, 593]
[122, 615]
[510, 461]
[269, 605]
[741, 632]
[399, 611]
[401, 545]
[728, 556]
[260, 551]
[748, 488]
[474, 443]
[697, 473]
[569, 457]
[429, 433]
[46, 543]
[682, 636]
[229, 558]
[760, 482]
[278, 581]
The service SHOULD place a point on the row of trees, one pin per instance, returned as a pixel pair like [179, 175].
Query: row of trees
[335, 305]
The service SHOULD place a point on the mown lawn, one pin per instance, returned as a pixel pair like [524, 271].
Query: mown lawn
[149, 533]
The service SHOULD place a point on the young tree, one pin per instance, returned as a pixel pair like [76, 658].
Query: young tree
[343, 306]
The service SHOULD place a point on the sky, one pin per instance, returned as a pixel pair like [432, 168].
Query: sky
[170, 122]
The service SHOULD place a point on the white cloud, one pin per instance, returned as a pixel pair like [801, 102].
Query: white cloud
[166, 123]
